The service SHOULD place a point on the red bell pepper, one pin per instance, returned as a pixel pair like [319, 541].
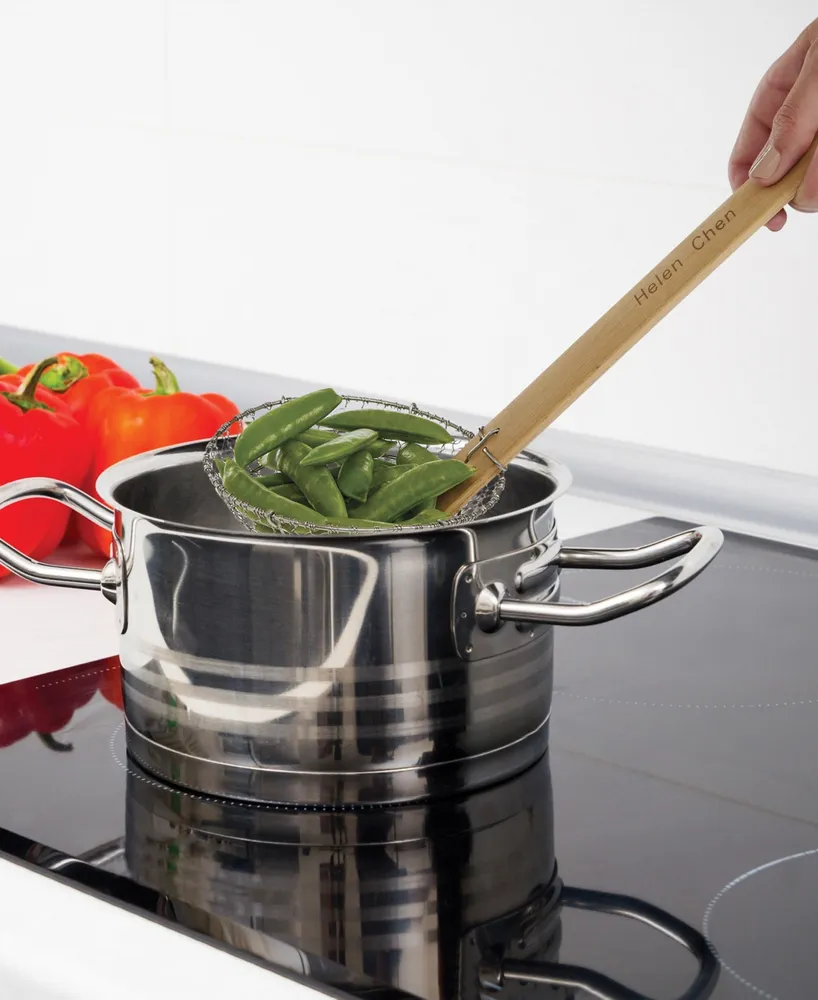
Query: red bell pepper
[77, 379]
[124, 422]
[38, 437]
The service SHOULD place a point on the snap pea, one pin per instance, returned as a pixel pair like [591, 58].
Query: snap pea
[379, 448]
[429, 515]
[315, 436]
[389, 424]
[219, 463]
[283, 423]
[415, 454]
[386, 472]
[290, 491]
[355, 478]
[270, 479]
[317, 484]
[244, 487]
[339, 447]
[418, 483]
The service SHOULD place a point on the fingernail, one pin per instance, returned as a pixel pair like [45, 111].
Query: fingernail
[766, 163]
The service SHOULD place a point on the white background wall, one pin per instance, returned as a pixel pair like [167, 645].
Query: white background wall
[428, 199]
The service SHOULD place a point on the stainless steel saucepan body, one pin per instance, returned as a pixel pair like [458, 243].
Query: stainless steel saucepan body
[338, 670]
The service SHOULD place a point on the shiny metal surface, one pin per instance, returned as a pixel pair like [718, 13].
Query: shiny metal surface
[495, 972]
[493, 607]
[329, 671]
[76, 577]
[446, 901]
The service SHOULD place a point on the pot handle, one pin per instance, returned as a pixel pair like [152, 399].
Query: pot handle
[58, 576]
[698, 547]
[493, 972]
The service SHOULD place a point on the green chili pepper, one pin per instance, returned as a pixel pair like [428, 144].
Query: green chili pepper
[283, 423]
[379, 448]
[418, 483]
[429, 515]
[244, 487]
[314, 436]
[415, 454]
[355, 479]
[317, 483]
[386, 472]
[390, 423]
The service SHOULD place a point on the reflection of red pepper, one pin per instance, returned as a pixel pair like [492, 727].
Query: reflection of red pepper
[13, 723]
[38, 437]
[110, 682]
[44, 705]
[125, 422]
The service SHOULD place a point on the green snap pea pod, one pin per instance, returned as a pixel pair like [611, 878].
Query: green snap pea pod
[219, 463]
[244, 487]
[340, 447]
[386, 472]
[429, 515]
[283, 423]
[270, 479]
[290, 491]
[390, 423]
[418, 483]
[317, 483]
[380, 448]
[355, 479]
[415, 454]
[315, 436]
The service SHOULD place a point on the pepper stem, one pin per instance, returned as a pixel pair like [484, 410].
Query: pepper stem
[67, 372]
[166, 384]
[24, 397]
[6, 367]
[48, 740]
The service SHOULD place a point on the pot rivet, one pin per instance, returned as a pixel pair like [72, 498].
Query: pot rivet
[468, 578]
[470, 648]
[464, 614]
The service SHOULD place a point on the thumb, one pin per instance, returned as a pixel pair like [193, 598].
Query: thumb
[794, 126]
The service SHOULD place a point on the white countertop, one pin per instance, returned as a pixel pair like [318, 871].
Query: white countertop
[57, 942]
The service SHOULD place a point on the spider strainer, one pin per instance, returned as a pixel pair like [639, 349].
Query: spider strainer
[220, 447]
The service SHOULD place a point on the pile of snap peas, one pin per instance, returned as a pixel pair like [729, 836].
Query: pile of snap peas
[329, 468]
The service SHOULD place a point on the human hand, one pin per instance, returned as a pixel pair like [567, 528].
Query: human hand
[780, 124]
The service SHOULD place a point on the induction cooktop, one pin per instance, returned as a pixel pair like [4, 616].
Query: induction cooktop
[680, 789]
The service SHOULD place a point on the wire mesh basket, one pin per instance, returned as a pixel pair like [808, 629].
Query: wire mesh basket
[220, 448]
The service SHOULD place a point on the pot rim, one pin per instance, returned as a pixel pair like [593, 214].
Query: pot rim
[173, 455]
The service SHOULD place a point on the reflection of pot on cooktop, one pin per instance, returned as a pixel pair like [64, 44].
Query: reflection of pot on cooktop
[448, 900]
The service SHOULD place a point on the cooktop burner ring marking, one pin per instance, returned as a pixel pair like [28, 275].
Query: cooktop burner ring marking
[708, 913]
[665, 704]
[240, 803]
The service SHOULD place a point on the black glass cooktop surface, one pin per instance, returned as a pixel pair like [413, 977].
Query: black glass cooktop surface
[682, 773]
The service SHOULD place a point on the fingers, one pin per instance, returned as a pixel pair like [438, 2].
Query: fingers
[794, 126]
[770, 94]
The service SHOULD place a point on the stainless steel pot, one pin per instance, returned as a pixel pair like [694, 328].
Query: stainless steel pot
[368, 669]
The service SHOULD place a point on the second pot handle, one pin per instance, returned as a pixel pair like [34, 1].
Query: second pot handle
[58, 576]
[494, 972]
[697, 546]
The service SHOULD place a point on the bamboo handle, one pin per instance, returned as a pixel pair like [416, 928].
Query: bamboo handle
[552, 392]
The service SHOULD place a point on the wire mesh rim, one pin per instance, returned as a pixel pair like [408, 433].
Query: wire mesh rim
[251, 517]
